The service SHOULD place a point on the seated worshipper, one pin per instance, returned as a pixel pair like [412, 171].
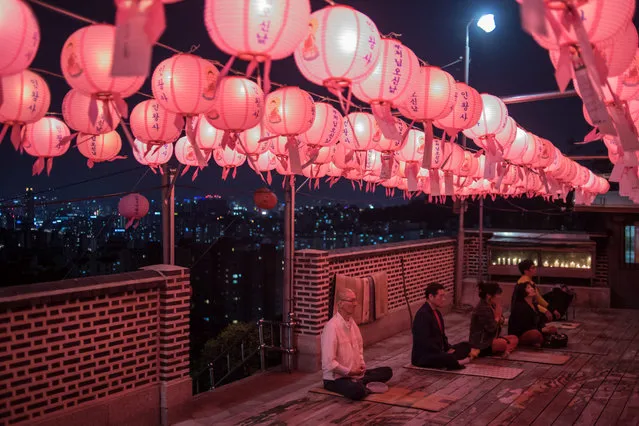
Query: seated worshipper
[526, 321]
[486, 322]
[528, 270]
[430, 344]
[343, 367]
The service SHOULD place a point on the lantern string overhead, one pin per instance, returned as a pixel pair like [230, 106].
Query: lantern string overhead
[342, 50]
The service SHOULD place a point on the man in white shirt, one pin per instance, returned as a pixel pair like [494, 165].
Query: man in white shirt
[343, 367]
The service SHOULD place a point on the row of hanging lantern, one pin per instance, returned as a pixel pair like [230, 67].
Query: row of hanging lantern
[234, 120]
[594, 43]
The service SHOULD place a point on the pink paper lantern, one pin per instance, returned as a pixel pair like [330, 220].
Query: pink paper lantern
[616, 52]
[318, 155]
[25, 98]
[76, 107]
[238, 105]
[229, 159]
[505, 137]
[469, 166]
[518, 147]
[545, 154]
[86, 62]
[413, 149]
[264, 163]
[19, 36]
[601, 20]
[152, 155]
[466, 111]
[45, 139]
[455, 156]
[99, 148]
[153, 124]
[185, 155]
[251, 142]
[433, 96]
[387, 145]
[207, 137]
[492, 119]
[257, 30]
[133, 207]
[361, 131]
[289, 111]
[342, 47]
[185, 84]
[327, 127]
[391, 81]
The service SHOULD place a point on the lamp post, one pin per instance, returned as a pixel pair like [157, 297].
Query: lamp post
[487, 24]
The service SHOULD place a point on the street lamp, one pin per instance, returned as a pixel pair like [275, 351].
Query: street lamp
[487, 24]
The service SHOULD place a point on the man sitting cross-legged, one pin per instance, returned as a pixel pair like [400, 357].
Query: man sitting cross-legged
[430, 344]
[343, 367]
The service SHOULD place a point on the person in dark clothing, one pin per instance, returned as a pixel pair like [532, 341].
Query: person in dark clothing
[555, 303]
[430, 344]
[486, 323]
[526, 321]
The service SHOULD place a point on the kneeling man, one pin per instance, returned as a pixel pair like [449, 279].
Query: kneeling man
[343, 367]
[430, 344]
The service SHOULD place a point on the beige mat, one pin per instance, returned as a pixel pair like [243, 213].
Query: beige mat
[564, 325]
[402, 397]
[481, 370]
[537, 357]
[581, 349]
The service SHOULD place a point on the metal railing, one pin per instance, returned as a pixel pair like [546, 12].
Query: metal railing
[268, 341]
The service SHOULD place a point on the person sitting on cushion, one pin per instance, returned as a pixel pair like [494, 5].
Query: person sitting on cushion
[430, 344]
[526, 321]
[343, 367]
[486, 323]
[528, 270]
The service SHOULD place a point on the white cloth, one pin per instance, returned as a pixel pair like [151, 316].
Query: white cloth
[342, 348]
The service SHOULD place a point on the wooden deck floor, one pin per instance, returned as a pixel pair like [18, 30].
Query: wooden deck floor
[587, 390]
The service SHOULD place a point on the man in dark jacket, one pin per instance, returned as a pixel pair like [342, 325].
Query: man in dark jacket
[430, 344]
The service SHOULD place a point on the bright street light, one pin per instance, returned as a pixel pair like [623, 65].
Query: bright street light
[487, 22]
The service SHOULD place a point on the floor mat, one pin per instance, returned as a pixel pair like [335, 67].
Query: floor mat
[537, 357]
[402, 397]
[481, 370]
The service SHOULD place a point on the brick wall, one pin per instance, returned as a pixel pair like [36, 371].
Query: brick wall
[424, 262]
[601, 270]
[471, 255]
[72, 343]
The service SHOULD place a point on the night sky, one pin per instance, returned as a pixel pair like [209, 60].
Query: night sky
[504, 62]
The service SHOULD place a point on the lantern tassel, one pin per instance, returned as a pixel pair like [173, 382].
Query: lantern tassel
[3, 132]
[266, 87]
[190, 137]
[225, 173]
[293, 155]
[269, 177]
[16, 137]
[186, 169]
[153, 169]
[196, 173]
[385, 120]
[427, 159]
[317, 183]
[90, 164]
[251, 67]
[38, 166]
[49, 165]
[224, 71]
[129, 223]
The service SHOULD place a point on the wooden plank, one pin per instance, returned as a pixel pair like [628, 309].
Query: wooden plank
[500, 397]
[593, 376]
[533, 397]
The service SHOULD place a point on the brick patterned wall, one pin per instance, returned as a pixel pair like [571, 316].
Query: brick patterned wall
[67, 343]
[601, 271]
[424, 262]
[471, 255]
